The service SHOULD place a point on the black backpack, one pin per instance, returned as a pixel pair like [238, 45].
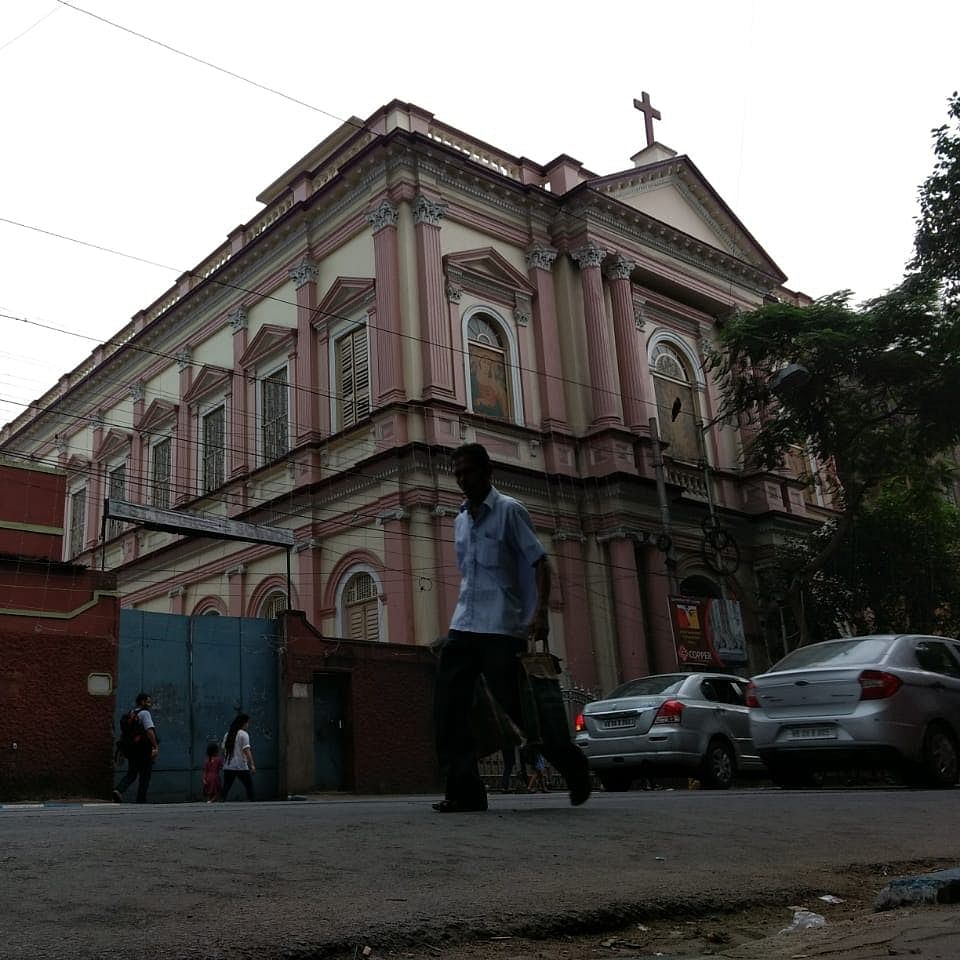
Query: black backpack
[133, 737]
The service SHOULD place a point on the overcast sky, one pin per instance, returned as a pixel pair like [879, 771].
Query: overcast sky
[812, 120]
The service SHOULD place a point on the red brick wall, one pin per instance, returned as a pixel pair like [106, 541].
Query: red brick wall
[63, 734]
[389, 724]
[33, 497]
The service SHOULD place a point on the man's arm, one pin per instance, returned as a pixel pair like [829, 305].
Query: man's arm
[540, 623]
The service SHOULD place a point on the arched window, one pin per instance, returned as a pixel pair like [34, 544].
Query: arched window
[273, 605]
[361, 607]
[699, 586]
[491, 389]
[678, 412]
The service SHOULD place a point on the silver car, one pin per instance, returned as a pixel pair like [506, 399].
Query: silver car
[691, 723]
[888, 699]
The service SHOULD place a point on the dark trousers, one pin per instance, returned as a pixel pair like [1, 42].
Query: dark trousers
[243, 776]
[463, 657]
[139, 767]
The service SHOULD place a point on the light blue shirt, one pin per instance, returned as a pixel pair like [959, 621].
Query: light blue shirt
[496, 554]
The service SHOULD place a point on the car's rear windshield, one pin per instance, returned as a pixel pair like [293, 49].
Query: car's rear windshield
[836, 653]
[649, 686]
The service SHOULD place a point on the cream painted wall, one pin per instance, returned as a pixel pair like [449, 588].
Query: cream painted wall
[458, 237]
[163, 386]
[280, 310]
[423, 560]
[353, 259]
[216, 350]
[666, 203]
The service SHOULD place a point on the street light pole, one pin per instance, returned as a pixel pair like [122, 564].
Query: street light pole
[665, 541]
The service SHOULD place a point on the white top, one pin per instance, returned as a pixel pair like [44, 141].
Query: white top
[145, 718]
[236, 760]
[496, 554]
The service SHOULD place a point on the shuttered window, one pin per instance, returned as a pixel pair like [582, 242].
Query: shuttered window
[116, 490]
[353, 377]
[276, 430]
[214, 428]
[677, 411]
[160, 474]
[361, 608]
[78, 520]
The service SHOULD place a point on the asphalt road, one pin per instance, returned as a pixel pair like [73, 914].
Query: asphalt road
[309, 879]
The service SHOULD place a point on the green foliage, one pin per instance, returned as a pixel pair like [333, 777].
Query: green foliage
[937, 243]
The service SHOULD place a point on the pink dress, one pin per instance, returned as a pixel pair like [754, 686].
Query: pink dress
[212, 784]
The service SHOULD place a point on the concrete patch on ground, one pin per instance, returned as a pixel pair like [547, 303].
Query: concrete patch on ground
[940, 887]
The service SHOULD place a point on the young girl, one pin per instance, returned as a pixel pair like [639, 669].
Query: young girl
[211, 773]
[239, 763]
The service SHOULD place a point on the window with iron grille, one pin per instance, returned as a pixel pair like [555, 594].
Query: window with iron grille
[78, 520]
[160, 474]
[353, 377]
[273, 605]
[361, 608]
[116, 490]
[214, 425]
[276, 430]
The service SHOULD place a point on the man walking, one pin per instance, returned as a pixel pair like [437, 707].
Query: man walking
[504, 593]
[138, 741]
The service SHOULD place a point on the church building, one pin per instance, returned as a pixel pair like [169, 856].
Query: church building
[406, 288]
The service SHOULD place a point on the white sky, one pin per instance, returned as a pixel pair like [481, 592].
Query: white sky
[812, 120]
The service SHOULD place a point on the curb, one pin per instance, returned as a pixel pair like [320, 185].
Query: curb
[940, 887]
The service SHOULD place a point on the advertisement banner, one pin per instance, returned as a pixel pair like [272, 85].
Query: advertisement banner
[707, 633]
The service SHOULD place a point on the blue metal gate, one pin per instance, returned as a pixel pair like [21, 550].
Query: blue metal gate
[201, 671]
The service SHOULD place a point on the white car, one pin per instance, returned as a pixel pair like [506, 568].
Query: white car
[688, 723]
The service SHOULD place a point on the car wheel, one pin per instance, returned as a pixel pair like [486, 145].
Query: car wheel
[616, 781]
[718, 766]
[939, 757]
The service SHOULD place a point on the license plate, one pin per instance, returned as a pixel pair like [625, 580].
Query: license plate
[813, 733]
[618, 724]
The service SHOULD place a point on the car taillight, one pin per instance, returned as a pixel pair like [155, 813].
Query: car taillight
[579, 723]
[751, 696]
[670, 712]
[878, 685]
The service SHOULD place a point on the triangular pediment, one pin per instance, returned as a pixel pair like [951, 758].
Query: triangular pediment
[346, 295]
[486, 269]
[674, 192]
[77, 464]
[114, 442]
[208, 381]
[158, 414]
[270, 339]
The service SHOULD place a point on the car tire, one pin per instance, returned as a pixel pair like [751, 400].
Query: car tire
[616, 781]
[718, 767]
[939, 757]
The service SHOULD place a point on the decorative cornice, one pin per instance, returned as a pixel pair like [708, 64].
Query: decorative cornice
[183, 358]
[454, 292]
[428, 211]
[588, 255]
[541, 257]
[385, 215]
[238, 571]
[237, 319]
[398, 513]
[442, 510]
[178, 591]
[304, 272]
[620, 267]
[624, 533]
[137, 391]
[564, 535]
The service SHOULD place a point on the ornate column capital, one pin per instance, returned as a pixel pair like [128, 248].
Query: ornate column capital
[428, 211]
[183, 358]
[454, 292]
[137, 391]
[398, 513]
[237, 319]
[522, 309]
[310, 543]
[588, 255]
[60, 444]
[620, 267]
[304, 272]
[385, 215]
[541, 257]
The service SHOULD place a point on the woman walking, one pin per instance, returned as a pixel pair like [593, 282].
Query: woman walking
[238, 757]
